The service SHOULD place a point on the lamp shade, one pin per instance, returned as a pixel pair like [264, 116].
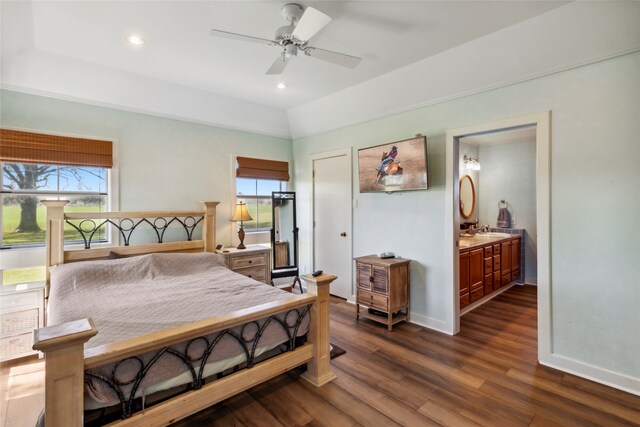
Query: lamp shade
[241, 213]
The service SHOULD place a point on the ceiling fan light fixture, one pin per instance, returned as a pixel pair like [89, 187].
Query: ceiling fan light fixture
[290, 50]
[134, 39]
[281, 85]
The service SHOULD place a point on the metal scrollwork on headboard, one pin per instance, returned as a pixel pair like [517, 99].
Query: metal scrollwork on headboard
[87, 228]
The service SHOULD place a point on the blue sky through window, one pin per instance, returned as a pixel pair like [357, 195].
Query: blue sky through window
[61, 178]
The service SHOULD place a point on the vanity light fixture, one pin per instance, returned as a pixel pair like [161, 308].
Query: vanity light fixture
[472, 164]
[134, 39]
[281, 85]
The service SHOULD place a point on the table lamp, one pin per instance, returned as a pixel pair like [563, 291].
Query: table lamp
[241, 214]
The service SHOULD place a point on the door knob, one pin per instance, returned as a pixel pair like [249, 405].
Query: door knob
[343, 234]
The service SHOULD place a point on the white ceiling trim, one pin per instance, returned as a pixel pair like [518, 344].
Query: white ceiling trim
[47, 74]
[570, 36]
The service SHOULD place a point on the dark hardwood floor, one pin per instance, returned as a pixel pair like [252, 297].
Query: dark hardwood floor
[487, 375]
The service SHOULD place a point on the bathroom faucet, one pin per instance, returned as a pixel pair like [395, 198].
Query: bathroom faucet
[473, 229]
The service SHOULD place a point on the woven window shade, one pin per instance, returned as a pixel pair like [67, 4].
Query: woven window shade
[30, 147]
[262, 169]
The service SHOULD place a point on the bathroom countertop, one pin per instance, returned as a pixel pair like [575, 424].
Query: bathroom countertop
[473, 242]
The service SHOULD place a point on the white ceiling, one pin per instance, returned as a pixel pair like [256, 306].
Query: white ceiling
[178, 49]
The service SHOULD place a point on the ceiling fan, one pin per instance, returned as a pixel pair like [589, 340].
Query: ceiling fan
[293, 38]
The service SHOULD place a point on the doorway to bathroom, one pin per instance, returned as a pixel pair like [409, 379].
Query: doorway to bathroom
[498, 218]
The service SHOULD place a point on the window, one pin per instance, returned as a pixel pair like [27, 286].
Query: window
[256, 193]
[36, 166]
[255, 180]
[23, 185]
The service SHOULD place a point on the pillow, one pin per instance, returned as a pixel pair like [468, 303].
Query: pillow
[114, 255]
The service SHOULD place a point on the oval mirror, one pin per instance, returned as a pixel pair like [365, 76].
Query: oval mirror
[467, 197]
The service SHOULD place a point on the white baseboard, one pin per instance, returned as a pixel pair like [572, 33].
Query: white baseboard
[419, 319]
[430, 322]
[594, 373]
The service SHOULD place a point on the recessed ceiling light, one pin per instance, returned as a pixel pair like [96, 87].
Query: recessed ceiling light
[281, 86]
[134, 39]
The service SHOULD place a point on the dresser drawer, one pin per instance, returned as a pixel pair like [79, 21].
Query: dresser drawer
[247, 261]
[488, 265]
[371, 299]
[16, 345]
[19, 322]
[496, 280]
[515, 274]
[506, 279]
[488, 283]
[258, 273]
[464, 300]
[496, 249]
[476, 295]
[488, 251]
[496, 263]
[22, 299]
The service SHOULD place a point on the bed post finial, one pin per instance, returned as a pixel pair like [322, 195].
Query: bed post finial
[319, 368]
[209, 226]
[63, 348]
[55, 232]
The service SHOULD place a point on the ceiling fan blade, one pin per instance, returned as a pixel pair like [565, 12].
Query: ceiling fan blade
[242, 37]
[311, 22]
[278, 65]
[333, 57]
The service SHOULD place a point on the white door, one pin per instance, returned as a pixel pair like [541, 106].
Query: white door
[332, 220]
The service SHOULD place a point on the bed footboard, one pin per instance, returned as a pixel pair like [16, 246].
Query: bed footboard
[66, 360]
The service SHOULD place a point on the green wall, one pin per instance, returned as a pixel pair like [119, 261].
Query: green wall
[163, 164]
[595, 199]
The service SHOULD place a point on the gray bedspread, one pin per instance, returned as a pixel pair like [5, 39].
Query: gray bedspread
[131, 297]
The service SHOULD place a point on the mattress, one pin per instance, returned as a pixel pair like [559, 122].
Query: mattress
[131, 297]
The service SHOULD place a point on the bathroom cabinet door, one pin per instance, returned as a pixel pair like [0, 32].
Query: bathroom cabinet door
[515, 259]
[515, 255]
[505, 258]
[465, 269]
[477, 269]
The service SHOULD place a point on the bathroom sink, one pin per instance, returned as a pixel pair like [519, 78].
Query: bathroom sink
[493, 235]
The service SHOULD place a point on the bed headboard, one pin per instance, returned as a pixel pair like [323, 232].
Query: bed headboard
[125, 224]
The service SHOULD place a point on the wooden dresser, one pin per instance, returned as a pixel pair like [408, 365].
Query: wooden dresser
[383, 285]
[254, 261]
[21, 311]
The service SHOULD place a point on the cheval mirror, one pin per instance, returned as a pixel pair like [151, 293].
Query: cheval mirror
[284, 237]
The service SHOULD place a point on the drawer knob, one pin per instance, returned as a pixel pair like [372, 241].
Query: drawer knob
[249, 275]
[250, 261]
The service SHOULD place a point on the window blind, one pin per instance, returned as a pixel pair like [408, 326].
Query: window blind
[262, 169]
[30, 147]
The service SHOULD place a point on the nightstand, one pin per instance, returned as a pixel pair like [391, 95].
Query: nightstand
[254, 261]
[383, 286]
[21, 311]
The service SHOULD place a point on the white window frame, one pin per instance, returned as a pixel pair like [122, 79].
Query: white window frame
[257, 236]
[34, 255]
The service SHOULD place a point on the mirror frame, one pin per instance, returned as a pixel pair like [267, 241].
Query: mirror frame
[292, 268]
[473, 197]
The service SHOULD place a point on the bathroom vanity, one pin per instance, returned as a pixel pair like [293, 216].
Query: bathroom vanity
[488, 263]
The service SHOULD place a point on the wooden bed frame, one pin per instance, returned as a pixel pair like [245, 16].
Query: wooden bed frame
[66, 359]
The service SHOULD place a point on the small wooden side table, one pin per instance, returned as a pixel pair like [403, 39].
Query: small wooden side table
[383, 285]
